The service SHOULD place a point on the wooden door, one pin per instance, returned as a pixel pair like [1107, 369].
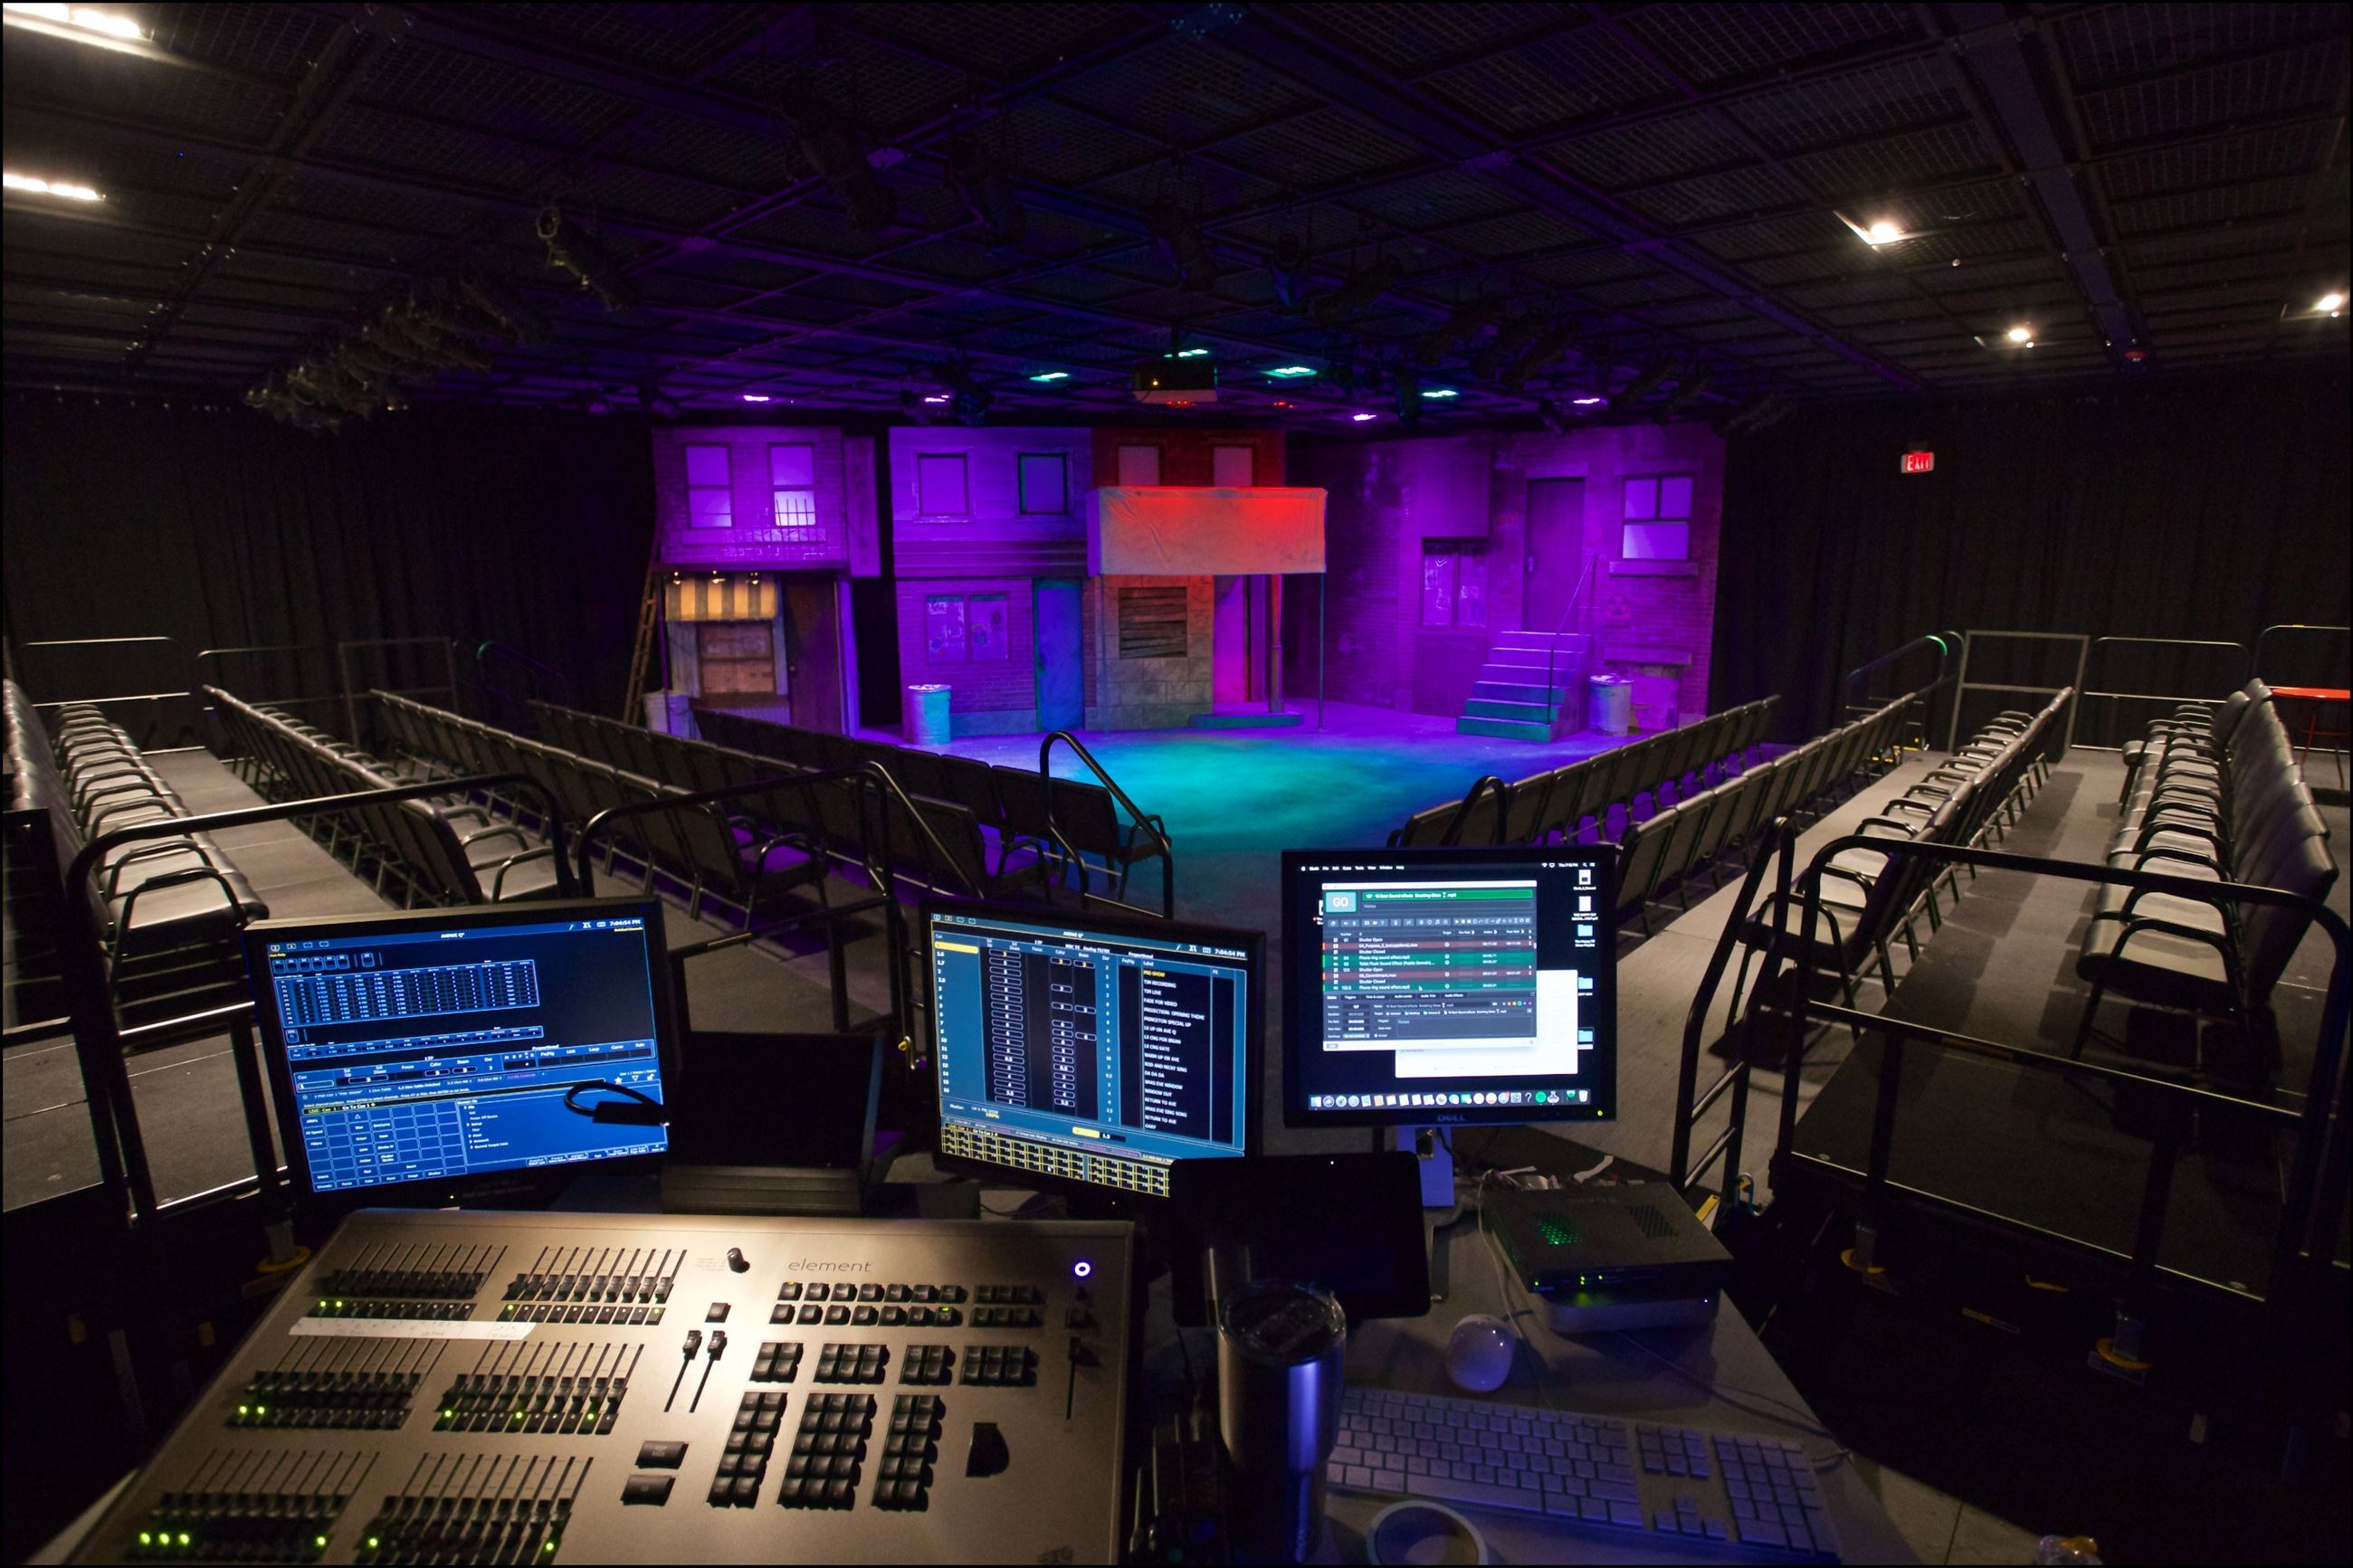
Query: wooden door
[813, 652]
[1556, 555]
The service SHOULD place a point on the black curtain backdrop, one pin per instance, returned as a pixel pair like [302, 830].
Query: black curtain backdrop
[2195, 508]
[224, 529]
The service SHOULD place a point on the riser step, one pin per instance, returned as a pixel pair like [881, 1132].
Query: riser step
[1514, 691]
[1566, 672]
[1504, 729]
[1531, 713]
[1544, 639]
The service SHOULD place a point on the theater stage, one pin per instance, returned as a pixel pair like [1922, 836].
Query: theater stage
[1234, 798]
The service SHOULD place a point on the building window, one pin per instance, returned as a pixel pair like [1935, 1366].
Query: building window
[1453, 582]
[939, 485]
[710, 494]
[1657, 525]
[792, 480]
[1233, 467]
[965, 628]
[1139, 464]
[1045, 484]
[1152, 623]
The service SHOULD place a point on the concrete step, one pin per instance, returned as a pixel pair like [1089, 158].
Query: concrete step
[1564, 671]
[1533, 712]
[1504, 729]
[1519, 692]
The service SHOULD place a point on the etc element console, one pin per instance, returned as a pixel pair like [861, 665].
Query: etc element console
[595, 1388]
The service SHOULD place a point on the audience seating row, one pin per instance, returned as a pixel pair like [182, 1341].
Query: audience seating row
[1671, 846]
[1556, 802]
[792, 833]
[445, 852]
[2215, 796]
[169, 909]
[1868, 895]
[1070, 825]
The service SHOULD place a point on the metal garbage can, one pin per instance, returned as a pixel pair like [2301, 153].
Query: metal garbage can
[1609, 704]
[925, 715]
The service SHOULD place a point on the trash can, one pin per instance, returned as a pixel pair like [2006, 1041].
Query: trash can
[669, 713]
[926, 721]
[1609, 704]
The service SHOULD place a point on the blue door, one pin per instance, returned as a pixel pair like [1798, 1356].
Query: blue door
[1061, 692]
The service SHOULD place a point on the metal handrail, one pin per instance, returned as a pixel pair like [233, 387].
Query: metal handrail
[1963, 686]
[2099, 643]
[1681, 1170]
[2324, 1087]
[351, 696]
[2255, 661]
[1552, 654]
[1137, 815]
[1453, 834]
[97, 1037]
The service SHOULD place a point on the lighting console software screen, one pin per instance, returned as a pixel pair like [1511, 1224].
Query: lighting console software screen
[1449, 988]
[1088, 1057]
[442, 1054]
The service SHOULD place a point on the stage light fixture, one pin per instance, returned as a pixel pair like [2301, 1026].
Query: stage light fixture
[2021, 334]
[981, 183]
[1292, 371]
[103, 23]
[1182, 246]
[1547, 348]
[755, 397]
[846, 167]
[1362, 288]
[34, 186]
[936, 397]
[1588, 402]
[1287, 265]
[570, 248]
[1466, 322]
[1051, 375]
[1439, 392]
[1882, 233]
[1510, 340]
[1360, 418]
[2329, 304]
[1644, 384]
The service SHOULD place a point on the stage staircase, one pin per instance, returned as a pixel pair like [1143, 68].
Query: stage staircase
[1514, 699]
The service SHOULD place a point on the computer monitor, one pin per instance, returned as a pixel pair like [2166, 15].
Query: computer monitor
[417, 1056]
[1449, 986]
[1091, 1052]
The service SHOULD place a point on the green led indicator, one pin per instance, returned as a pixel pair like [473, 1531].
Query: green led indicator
[184, 1538]
[146, 1538]
[320, 1541]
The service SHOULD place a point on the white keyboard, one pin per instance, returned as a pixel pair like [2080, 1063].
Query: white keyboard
[1753, 1496]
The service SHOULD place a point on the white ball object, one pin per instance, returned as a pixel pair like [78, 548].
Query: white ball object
[1479, 1353]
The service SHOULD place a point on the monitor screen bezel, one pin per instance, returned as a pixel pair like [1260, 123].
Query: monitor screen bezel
[1297, 999]
[440, 1191]
[1253, 945]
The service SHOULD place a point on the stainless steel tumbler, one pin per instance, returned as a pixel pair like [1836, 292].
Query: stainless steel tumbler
[1279, 1349]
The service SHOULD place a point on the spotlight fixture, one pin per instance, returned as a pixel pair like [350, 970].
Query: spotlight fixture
[1287, 265]
[1466, 322]
[755, 397]
[570, 248]
[1292, 371]
[2021, 334]
[1358, 293]
[2329, 304]
[1439, 392]
[1589, 402]
[1684, 396]
[1547, 348]
[846, 168]
[69, 20]
[39, 187]
[1360, 418]
[1511, 340]
[1882, 233]
[1181, 245]
[981, 183]
[1051, 375]
[936, 397]
[1645, 383]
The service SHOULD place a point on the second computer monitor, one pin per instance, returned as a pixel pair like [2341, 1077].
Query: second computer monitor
[1091, 1050]
[1467, 985]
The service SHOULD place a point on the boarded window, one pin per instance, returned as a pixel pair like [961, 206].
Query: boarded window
[939, 485]
[1045, 484]
[1152, 623]
[944, 635]
[1453, 582]
[1139, 464]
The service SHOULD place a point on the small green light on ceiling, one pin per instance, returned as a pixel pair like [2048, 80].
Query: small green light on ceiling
[1292, 371]
[1190, 353]
[1439, 392]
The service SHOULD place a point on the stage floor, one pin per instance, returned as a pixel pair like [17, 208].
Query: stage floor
[1234, 798]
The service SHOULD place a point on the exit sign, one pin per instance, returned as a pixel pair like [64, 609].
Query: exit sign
[1919, 462]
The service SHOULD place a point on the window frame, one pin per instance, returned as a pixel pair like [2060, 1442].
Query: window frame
[725, 492]
[1655, 524]
[800, 530]
[1159, 464]
[963, 484]
[1021, 461]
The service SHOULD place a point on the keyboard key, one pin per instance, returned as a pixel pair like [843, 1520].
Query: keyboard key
[1446, 1489]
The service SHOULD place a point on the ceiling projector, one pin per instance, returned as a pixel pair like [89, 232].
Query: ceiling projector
[1174, 381]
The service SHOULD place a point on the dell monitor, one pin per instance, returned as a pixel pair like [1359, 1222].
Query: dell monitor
[1091, 1053]
[417, 1056]
[1449, 987]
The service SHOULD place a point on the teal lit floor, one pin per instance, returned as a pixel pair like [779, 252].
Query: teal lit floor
[1234, 799]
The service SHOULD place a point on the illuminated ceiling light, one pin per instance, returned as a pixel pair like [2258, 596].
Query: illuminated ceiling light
[1882, 233]
[32, 187]
[1051, 375]
[755, 397]
[102, 23]
[1360, 418]
[1585, 402]
[1439, 392]
[1190, 353]
[1292, 371]
[936, 397]
[2328, 304]
[2021, 335]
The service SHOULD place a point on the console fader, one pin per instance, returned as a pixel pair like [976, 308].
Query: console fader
[584, 1388]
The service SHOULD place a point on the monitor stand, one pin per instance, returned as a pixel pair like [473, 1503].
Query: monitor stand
[1433, 1147]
